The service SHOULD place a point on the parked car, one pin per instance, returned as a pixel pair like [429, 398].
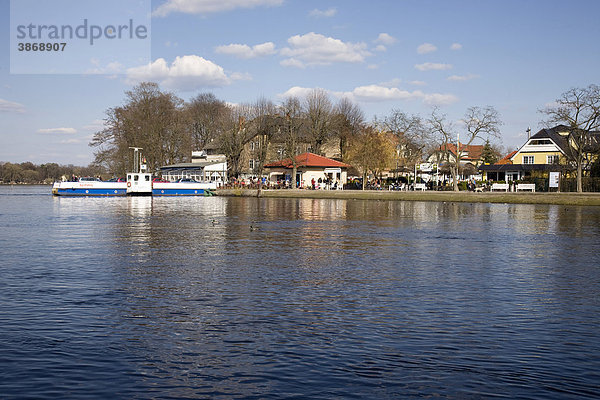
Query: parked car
[186, 180]
[160, 180]
[116, 180]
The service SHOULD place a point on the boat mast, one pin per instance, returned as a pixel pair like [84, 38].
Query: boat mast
[137, 157]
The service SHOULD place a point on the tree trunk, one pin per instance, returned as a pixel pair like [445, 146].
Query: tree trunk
[454, 171]
[579, 178]
[294, 172]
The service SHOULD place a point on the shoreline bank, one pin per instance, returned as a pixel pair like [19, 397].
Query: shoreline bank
[579, 199]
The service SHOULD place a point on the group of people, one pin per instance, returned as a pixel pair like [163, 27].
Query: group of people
[321, 183]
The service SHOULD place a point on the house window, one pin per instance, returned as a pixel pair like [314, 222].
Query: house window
[553, 159]
[527, 159]
[540, 142]
[251, 146]
[251, 164]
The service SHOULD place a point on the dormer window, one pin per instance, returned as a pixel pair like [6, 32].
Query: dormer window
[540, 142]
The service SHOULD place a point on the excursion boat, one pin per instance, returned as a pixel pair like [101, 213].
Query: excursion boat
[89, 186]
[138, 183]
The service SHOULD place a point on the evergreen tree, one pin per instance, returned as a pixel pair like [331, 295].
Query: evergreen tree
[489, 155]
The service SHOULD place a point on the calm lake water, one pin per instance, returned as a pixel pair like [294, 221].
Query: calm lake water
[149, 298]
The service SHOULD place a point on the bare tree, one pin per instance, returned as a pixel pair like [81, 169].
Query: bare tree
[413, 137]
[150, 119]
[479, 123]
[264, 126]
[579, 110]
[205, 116]
[318, 109]
[292, 126]
[443, 131]
[348, 120]
[235, 136]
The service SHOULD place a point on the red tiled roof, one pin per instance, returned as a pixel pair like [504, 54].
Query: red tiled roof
[468, 152]
[506, 159]
[308, 160]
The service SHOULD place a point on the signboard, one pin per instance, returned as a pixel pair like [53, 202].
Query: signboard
[554, 179]
[426, 167]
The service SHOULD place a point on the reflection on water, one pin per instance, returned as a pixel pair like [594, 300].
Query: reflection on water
[179, 297]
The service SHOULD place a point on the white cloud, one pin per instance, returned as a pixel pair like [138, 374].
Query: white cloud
[456, 46]
[186, 73]
[461, 78]
[330, 12]
[418, 83]
[245, 51]
[209, 6]
[433, 66]
[316, 49]
[296, 91]
[380, 47]
[292, 62]
[426, 48]
[379, 93]
[372, 66]
[68, 131]
[376, 93]
[385, 38]
[439, 99]
[11, 106]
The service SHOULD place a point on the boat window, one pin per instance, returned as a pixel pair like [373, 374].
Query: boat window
[147, 178]
[128, 177]
[136, 178]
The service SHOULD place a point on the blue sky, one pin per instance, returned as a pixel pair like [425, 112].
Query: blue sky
[517, 56]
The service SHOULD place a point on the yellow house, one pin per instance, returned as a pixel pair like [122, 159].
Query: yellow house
[543, 152]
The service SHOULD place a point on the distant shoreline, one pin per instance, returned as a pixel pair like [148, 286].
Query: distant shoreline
[579, 199]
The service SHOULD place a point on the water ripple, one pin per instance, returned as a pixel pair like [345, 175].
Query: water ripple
[147, 298]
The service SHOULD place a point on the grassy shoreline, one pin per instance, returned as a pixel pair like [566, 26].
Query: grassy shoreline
[581, 199]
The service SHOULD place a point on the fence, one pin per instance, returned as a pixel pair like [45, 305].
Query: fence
[566, 184]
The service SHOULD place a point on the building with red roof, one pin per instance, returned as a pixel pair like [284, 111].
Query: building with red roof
[324, 172]
[471, 153]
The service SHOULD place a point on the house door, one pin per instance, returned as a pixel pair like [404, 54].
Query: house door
[512, 176]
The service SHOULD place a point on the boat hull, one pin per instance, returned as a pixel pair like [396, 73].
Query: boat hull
[182, 189]
[89, 189]
[120, 189]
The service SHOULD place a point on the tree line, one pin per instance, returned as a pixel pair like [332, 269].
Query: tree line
[168, 129]
[30, 173]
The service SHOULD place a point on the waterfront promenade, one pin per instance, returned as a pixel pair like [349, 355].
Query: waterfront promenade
[581, 199]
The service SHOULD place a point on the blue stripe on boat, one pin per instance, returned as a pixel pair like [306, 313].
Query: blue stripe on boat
[91, 192]
[178, 192]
